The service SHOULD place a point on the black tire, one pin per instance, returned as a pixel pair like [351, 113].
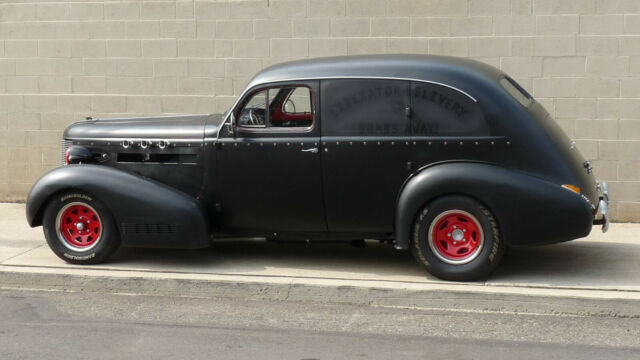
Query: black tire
[101, 241]
[431, 250]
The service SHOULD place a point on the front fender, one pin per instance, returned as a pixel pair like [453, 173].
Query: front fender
[148, 213]
[529, 210]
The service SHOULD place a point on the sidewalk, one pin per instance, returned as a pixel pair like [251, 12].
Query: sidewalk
[601, 273]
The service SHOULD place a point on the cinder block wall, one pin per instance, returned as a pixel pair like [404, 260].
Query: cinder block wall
[63, 60]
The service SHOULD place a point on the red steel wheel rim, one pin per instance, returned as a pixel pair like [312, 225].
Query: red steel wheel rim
[79, 226]
[456, 236]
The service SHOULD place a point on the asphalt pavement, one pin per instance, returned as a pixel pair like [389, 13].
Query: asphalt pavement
[61, 325]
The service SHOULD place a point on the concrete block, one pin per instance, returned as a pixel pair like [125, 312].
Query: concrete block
[281, 28]
[178, 29]
[327, 47]
[608, 65]
[21, 48]
[597, 45]
[495, 7]
[576, 108]
[54, 84]
[350, 27]
[305, 28]
[367, 46]
[88, 84]
[554, 46]
[124, 48]
[170, 67]
[489, 47]
[601, 24]
[210, 68]
[251, 48]
[121, 10]
[629, 170]
[366, 8]
[472, 26]
[290, 48]
[557, 24]
[630, 130]
[554, 87]
[407, 46]
[564, 66]
[88, 48]
[158, 10]
[248, 9]
[514, 25]
[157, 48]
[522, 66]
[21, 85]
[430, 27]
[195, 48]
[134, 67]
[391, 27]
[211, 9]
[449, 46]
[142, 29]
[327, 8]
[287, 9]
[596, 129]
[242, 67]
[234, 29]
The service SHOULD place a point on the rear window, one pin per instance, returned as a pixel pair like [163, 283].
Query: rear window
[515, 90]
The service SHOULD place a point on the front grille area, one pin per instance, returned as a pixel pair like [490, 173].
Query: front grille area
[133, 228]
[65, 146]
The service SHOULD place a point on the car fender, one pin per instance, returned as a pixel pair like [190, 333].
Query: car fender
[529, 210]
[148, 213]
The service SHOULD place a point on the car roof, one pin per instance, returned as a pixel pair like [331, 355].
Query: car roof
[447, 70]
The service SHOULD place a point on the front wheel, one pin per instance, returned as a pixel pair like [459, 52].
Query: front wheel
[456, 238]
[80, 229]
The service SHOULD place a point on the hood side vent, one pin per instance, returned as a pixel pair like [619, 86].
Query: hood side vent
[149, 229]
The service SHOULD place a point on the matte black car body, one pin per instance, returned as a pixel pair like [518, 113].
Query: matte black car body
[449, 127]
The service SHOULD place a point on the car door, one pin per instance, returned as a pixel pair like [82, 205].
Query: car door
[269, 169]
[366, 151]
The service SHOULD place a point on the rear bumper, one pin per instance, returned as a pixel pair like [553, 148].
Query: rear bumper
[601, 213]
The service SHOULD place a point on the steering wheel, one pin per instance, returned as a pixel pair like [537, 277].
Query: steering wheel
[253, 118]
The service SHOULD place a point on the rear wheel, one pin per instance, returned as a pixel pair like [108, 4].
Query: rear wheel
[80, 229]
[457, 238]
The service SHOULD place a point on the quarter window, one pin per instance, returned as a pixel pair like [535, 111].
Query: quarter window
[515, 90]
[278, 107]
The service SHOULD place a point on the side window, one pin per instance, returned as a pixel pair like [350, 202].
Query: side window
[253, 114]
[364, 107]
[278, 107]
[441, 111]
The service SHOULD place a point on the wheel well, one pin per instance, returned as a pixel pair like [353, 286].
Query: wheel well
[415, 216]
[38, 219]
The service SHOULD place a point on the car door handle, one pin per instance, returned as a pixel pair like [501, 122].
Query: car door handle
[311, 150]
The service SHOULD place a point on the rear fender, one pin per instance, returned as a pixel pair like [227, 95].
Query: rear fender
[529, 210]
[148, 213]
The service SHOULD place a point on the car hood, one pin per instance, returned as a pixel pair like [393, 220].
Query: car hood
[159, 127]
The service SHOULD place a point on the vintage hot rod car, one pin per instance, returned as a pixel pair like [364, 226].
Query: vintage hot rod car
[448, 157]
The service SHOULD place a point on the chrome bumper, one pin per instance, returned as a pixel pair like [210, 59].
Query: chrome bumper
[601, 216]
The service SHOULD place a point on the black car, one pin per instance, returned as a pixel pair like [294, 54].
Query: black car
[447, 157]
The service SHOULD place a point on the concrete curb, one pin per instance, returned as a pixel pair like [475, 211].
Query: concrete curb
[445, 296]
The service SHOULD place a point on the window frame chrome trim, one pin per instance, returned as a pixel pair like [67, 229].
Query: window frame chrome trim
[251, 86]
